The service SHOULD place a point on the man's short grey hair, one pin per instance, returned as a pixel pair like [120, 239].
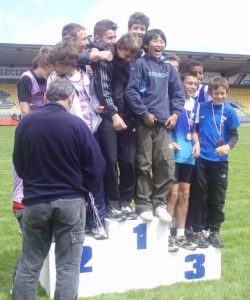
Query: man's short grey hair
[60, 89]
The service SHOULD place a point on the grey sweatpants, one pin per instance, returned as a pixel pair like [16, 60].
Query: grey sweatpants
[154, 166]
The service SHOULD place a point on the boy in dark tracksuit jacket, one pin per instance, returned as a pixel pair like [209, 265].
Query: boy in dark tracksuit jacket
[116, 132]
[155, 95]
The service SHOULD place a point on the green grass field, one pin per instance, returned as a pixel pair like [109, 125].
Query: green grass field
[235, 280]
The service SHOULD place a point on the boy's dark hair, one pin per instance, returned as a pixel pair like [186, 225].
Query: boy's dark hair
[151, 34]
[216, 82]
[183, 75]
[173, 57]
[64, 53]
[129, 42]
[190, 64]
[138, 18]
[41, 59]
[102, 26]
[71, 29]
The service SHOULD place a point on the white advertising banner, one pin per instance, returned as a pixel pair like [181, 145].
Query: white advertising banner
[15, 72]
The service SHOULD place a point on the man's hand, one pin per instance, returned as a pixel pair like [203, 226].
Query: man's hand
[118, 123]
[150, 120]
[171, 121]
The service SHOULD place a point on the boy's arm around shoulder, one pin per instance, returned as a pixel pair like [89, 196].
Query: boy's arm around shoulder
[93, 55]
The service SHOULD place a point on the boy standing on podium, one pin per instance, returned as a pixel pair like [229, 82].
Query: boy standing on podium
[218, 134]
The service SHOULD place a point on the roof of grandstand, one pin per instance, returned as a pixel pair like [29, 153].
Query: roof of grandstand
[21, 55]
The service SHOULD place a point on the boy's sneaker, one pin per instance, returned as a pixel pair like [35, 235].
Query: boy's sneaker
[171, 245]
[200, 240]
[206, 233]
[162, 213]
[215, 239]
[129, 212]
[99, 233]
[146, 216]
[116, 214]
[87, 230]
[183, 242]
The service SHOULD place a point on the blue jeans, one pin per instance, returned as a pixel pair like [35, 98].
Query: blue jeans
[65, 220]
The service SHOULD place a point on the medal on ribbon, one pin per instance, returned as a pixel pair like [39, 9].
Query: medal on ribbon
[218, 128]
[189, 136]
[220, 143]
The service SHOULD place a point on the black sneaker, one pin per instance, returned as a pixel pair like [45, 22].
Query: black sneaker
[171, 245]
[116, 214]
[129, 212]
[215, 239]
[189, 231]
[199, 239]
[183, 242]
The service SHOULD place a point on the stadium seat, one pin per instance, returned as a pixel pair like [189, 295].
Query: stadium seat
[8, 99]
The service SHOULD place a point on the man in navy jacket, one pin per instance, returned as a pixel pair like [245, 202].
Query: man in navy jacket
[58, 158]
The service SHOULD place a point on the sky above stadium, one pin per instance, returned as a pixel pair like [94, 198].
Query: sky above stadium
[220, 26]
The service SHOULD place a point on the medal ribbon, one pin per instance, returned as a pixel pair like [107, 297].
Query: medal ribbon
[215, 124]
[189, 119]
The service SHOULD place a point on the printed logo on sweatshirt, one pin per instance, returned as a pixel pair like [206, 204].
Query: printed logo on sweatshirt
[157, 74]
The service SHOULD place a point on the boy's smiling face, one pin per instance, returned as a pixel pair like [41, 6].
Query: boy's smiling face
[155, 47]
[190, 84]
[219, 95]
[109, 38]
[139, 30]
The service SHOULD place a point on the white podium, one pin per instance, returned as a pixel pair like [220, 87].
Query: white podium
[135, 256]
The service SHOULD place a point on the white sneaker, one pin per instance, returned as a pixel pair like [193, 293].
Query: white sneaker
[206, 233]
[146, 216]
[99, 233]
[162, 213]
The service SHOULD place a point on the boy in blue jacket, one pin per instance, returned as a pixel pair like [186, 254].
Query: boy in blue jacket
[156, 97]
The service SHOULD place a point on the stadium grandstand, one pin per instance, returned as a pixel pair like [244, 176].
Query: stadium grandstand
[16, 58]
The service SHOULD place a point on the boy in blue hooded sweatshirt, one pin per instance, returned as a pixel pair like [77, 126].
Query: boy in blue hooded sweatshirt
[156, 97]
